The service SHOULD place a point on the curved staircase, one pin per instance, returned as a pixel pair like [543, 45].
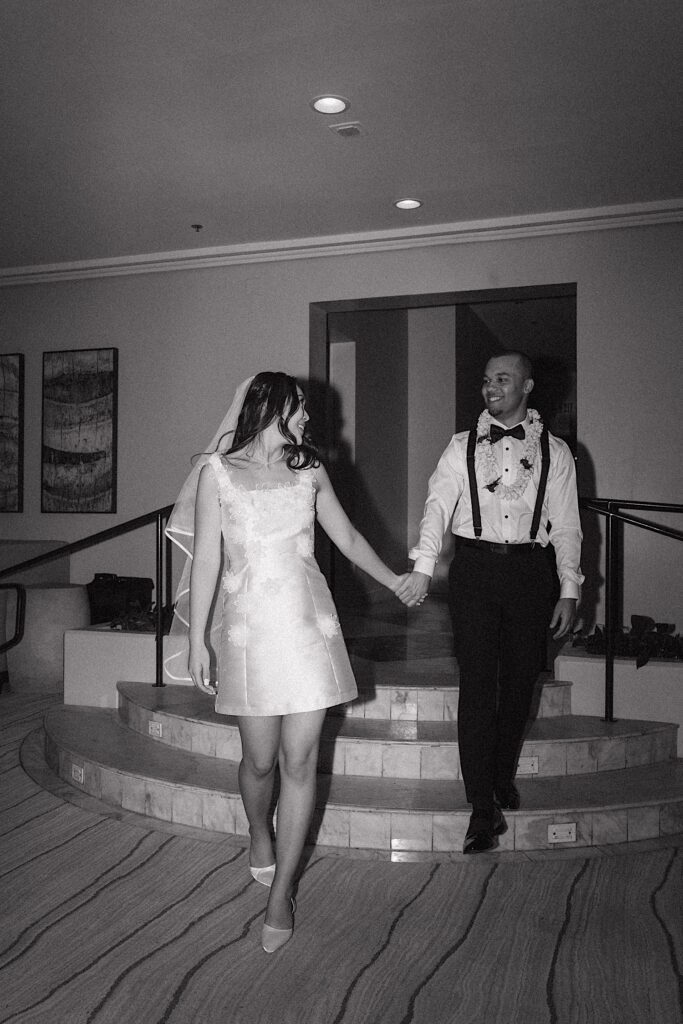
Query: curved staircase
[389, 778]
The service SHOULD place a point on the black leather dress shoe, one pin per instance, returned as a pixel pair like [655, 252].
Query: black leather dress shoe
[507, 796]
[483, 830]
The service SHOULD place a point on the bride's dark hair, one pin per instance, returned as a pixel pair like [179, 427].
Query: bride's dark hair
[273, 396]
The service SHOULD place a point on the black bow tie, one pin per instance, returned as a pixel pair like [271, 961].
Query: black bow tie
[496, 432]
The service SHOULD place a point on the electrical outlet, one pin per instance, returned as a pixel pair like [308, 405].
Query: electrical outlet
[527, 766]
[562, 833]
[77, 773]
[155, 729]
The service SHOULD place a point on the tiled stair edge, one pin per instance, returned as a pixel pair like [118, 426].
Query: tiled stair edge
[389, 830]
[178, 802]
[412, 759]
[398, 832]
[398, 701]
[404, 832]
[403, 758]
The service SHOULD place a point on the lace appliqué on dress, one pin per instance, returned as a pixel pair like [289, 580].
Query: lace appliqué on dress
[231, 582]
[237, 635]
[329, 625]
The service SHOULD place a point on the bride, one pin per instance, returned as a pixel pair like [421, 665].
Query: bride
[280, 655]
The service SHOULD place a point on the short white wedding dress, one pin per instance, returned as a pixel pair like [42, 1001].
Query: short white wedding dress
[281, 649]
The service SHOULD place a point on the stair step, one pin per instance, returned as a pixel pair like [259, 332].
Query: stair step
[414, 674]
[570, 745]
[428, 691]
[182, 717]
[91, 749]
[402, 694]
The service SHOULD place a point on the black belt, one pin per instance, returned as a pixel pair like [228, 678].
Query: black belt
[485, 546]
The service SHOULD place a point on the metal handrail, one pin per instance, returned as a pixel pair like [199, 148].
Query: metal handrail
[611, 508]
[163, 573]
[615, 519]
[19, 615]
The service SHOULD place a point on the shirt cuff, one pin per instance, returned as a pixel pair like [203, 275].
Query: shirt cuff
[425, 565]
[570, 589]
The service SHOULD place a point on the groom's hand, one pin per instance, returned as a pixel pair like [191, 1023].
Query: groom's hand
[414, 589]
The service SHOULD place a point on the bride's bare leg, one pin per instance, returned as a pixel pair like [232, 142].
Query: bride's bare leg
[260, 744]
[299, 742]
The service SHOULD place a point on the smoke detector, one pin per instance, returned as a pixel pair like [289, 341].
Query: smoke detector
[347, 130]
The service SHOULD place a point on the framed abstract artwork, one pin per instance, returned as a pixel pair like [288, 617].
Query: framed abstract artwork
[80, 398]
[11, 433]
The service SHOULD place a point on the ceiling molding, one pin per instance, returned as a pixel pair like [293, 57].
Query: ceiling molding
[492, 230]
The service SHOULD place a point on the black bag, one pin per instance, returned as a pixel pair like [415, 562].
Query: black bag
[114, 597]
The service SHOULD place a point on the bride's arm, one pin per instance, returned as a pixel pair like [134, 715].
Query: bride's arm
[350, 542]
[205, 566]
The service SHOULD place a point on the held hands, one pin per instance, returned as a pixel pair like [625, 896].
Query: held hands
[563, 616]
[413, 588]
[198, 665]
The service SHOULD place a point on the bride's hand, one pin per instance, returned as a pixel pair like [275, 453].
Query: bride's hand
[200, 672]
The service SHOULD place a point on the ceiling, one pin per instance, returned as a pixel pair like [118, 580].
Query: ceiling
[125, 123]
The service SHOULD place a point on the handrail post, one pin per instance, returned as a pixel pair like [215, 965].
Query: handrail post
[168, 562]
[611, 609]
[158, 619]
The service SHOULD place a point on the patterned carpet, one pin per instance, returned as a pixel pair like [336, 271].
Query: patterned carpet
[106, 919]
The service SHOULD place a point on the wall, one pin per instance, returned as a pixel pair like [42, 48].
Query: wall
[185, 338]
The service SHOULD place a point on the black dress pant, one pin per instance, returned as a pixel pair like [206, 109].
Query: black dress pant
[501, 606]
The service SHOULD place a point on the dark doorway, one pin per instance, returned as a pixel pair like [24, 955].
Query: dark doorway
[543, 326]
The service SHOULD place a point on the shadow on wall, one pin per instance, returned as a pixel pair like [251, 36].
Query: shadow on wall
[591, 555]
[591, 549]
[351, 588]
[554, 396]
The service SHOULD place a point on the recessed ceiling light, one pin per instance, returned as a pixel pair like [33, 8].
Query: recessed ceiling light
[330, 104]
[408, 204]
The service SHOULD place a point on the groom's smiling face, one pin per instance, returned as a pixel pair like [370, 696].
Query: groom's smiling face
[505, 389]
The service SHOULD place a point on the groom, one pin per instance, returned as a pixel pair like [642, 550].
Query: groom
[506, 489]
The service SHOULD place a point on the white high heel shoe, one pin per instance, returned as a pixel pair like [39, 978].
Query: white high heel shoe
[273, 939]
[263, 875]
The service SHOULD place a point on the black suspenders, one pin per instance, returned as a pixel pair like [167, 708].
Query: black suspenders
[474, 493]
[545, 466]
[540, 494]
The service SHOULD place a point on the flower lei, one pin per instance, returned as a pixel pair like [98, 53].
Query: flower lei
[485, 460]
